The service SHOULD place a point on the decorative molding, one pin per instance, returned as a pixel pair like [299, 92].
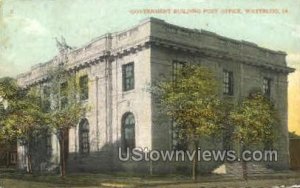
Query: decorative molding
[221, 54]
[109, 47]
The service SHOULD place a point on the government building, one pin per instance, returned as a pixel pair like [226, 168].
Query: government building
[115, 71]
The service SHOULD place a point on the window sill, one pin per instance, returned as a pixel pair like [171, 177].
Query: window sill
[128, 92]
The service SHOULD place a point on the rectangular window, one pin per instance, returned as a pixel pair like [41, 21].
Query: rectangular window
[128, 76]
[49, 144]
[179, 142]
[13, 158]
[85, 142]
[84, 87]
[267, 87]
[227, 82]
[63, 95]
[46, 99]
[177, 66]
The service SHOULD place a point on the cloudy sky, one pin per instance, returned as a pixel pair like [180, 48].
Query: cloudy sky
[28, 28]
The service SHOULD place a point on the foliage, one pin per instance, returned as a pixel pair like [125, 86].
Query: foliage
[66, 109]
[255, 119]
[192, 101]
[22, 118]
[9, 89]
[25, 116]
[294, 135]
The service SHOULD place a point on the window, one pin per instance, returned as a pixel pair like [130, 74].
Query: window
[177, 66]
[49, 144]
[84, 145]
[128, 76]
[46, 99]
[227, 82]
[84, 87]
[179, 142]
[13, 157]
[63, 95]
[128, 131]
[267, 87]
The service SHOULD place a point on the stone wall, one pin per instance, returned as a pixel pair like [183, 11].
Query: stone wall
[152, 45]
[246, 76]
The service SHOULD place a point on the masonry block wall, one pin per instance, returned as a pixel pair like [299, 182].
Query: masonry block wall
[152, 46]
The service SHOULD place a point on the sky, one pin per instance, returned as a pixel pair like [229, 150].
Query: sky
[28, 28]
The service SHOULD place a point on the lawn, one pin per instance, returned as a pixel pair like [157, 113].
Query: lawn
[12, 179]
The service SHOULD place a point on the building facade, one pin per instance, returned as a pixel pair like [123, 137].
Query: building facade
[115, 72]
[8, 154]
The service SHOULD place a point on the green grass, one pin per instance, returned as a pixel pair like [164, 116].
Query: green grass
[14, 179]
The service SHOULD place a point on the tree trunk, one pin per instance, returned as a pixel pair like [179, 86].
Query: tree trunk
[29, 164]
[62, 155]
[29, 159]
[195, 162]
[63, 151]
[244, 165]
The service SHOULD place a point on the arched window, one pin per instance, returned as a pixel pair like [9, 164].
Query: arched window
[84, 145]
[49, 144]
[128, 131]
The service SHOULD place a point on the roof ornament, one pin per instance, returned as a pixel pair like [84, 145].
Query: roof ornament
[62, 45]
[63, 48]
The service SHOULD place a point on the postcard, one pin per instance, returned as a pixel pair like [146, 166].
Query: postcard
[161, 93]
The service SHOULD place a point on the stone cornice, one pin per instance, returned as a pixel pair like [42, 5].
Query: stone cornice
[197, 33]
[93, 60]
[220, 54]
[154, 41]
[156, 32]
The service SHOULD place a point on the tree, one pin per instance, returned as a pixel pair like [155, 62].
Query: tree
[294, 135]
[192, 101]
[66, 110]
[254, 120]
[5, 144]
[21, 117]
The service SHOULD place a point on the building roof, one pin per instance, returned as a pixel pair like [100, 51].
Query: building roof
[157, 32]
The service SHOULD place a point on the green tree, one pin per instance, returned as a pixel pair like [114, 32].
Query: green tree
[294, 135]
[21, 117]
[66, 109]
[6, 142]
[192, 101]
[254, 120]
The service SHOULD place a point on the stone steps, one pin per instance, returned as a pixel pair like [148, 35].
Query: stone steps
[235, 169]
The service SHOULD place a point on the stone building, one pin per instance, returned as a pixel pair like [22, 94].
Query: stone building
[8, 154]
[115, 71]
